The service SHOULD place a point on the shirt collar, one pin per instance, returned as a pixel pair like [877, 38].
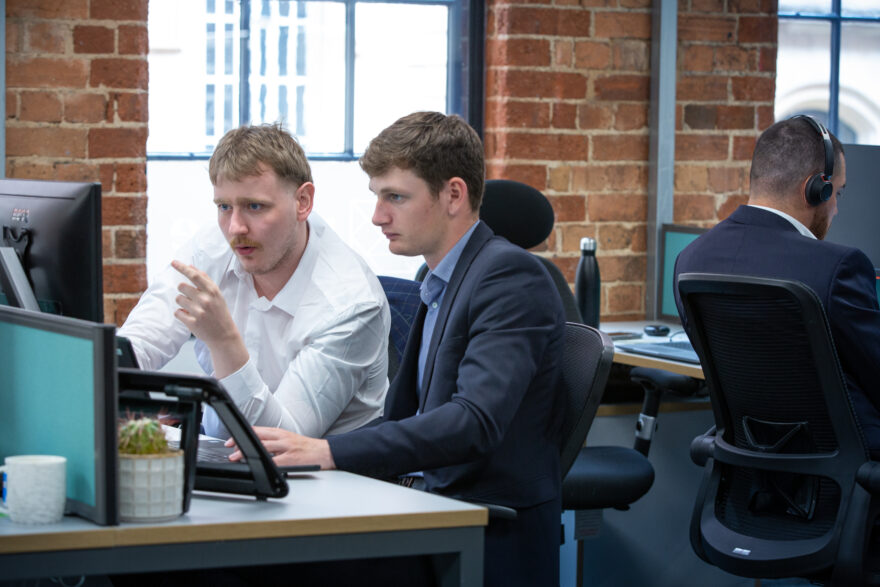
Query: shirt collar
[794, 221]
[437, 279]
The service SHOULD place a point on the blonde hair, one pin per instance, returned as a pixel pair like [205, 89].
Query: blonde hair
[245, 151]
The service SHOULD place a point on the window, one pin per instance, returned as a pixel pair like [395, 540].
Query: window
[827, 56]
[335, 72]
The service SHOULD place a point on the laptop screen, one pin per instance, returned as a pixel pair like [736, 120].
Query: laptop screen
[877, 282]
[673, 239]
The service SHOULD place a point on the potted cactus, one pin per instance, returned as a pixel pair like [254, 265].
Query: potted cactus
[150, 473]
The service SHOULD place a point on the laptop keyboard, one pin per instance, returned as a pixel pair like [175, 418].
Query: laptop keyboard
[673, 350]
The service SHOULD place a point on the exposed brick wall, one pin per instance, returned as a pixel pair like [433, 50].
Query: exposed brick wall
[567, 100]
[76, 109]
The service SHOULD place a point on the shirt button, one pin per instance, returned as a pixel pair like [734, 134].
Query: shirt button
[434, 305]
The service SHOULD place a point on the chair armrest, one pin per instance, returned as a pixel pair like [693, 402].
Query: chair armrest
[702, 447]
[496, 512]
[868, 476]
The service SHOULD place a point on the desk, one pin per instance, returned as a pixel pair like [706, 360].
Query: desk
[327, 515]
[633, 360]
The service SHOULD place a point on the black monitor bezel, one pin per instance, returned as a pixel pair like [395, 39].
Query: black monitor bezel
[103, 338]
[661, 267]
[53, 259]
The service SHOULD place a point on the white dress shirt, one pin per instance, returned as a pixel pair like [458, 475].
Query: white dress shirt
[318, 351]
[799, 226]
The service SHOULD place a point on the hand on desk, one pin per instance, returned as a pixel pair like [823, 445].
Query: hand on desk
[289, 448]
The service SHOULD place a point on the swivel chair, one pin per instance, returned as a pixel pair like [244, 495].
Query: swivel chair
[789, 488]
[403, 302]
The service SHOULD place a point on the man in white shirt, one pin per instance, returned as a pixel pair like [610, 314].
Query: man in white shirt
[290, 320]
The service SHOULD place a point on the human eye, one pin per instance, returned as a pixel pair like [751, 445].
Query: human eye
[223, 206]
[254, 206]
[395, 197]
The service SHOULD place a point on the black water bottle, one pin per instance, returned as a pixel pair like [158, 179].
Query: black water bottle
[587, 284]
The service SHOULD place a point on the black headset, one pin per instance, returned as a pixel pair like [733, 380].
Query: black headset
[819, 188]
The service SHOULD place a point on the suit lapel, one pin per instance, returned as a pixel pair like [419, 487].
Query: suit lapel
[481, 235]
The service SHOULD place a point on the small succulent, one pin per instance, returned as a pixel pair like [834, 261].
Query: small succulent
[142, 436]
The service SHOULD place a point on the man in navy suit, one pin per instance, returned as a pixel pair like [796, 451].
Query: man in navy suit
[473, 412]
[792, 201]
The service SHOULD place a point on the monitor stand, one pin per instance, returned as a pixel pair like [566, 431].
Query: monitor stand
[14, 281]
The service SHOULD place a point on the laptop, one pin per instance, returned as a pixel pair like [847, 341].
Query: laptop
[673, 239]
[258, 475]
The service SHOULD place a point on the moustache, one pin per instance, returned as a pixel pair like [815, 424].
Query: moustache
[240, 241]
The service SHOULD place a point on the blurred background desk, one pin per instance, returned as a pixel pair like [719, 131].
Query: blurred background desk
[328, 515]
[633, 360]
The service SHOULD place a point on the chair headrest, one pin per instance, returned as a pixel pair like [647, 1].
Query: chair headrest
[517, 211]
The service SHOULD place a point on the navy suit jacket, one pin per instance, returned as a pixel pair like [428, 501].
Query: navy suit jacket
[757, 242]
[489, 422]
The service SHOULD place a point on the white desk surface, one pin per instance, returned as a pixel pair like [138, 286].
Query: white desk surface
[638, 326]
[320, 503]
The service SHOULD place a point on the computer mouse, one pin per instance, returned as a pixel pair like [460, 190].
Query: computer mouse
[656, 330]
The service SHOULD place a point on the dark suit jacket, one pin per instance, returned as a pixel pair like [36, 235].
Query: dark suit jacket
[756, 242]
[489, 422]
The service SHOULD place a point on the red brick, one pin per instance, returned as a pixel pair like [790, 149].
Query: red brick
[631, 117]
[47, 37]
[563, 53]
[730, 204]
[520, 52]
[724, 180]
[107, 171]
[127, 278]
[708, 5]
[117, 142]
[621, 301]
[746, 6]
[560, 179]
[630, 177]
[533, 175]
[693, 207]
[118, 307]
[592, 55]
[45, 141]
[130, 244]
[14, 37]
[123, 210]
[40, 107]
[119, 73]
[698, 58]
[517, 114]
[591, 116]
[736, 117]
[701, 88]
[85, 107]
[619, 237]
[743, 148]
[567, 265]
[691, 178]
[571, 235]
[537, 84]
[119, 9]
[691, 147]
[766, 116]
[552, 147]
[133, 40]
[131, 177]
[706, 28]
[568, 208]
[735, 59]
[49, 9]
[753, 88]
[632, 56]
[635, 3]
[623, 268]
[29, 170]
[629, 25]
[700, 116]
[94, 39]
[617, 207]
[767, 59]
[564, 116]
[531, 20]
[76, 171]
[758, 29]
[107, 243]
[620, 147]
[46, 72]
[623, 87]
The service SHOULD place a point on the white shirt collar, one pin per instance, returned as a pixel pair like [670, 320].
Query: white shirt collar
[794, 222]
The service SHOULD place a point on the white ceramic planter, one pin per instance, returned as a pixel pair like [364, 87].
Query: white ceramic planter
[150, 487]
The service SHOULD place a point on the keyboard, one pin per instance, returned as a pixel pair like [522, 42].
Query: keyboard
[211, 450]
[673, 350]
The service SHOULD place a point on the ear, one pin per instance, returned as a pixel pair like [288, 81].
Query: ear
[305, 198]
[459, 201]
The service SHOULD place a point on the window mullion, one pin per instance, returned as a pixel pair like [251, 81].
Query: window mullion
[350, 24]
[834, 82]
[244, 93]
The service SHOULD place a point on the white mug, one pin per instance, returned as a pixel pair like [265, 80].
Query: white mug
[35, 488]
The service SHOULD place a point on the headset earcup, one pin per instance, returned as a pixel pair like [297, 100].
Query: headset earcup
[818, 190]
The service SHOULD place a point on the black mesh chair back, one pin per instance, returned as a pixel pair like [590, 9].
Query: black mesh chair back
[779, 496]
[586, 364]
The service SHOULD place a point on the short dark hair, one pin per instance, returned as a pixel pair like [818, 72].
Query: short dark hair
[436, 147]
[787, 153]
[243, 151]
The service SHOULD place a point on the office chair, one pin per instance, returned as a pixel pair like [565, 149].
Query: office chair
[403, 301]
[789, 489]
[524, 216]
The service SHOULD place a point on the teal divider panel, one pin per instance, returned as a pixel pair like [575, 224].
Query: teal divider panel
[47, 405]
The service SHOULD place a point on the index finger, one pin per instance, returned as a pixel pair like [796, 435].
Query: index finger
[198, 278]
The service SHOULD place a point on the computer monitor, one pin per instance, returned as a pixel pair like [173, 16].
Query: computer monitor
[50, 247]
[673, 239]
[58, 396]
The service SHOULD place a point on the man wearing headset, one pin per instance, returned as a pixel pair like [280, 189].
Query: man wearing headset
[798, 173]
